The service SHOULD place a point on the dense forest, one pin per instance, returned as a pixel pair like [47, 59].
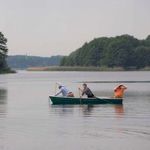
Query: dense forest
[123, 51]
[3, 54]
[24, 61]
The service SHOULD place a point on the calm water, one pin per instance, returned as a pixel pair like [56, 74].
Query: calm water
[29, 122]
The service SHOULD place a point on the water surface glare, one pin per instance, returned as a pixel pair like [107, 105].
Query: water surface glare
[28, 121]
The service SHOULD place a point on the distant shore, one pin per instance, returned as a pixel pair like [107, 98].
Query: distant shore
[77, 68]
[7, 71]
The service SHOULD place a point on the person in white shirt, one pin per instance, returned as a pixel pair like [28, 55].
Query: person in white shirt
[64, 91]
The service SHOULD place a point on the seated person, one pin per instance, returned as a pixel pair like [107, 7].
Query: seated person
[87, 91]
[64, 91]
[119, 91]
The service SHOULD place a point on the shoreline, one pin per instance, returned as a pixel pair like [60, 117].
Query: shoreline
[75, 68]
[7, 71]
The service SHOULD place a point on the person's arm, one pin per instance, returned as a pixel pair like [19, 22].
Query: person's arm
[83, 92]
[115, 90]
[80, 89]
[124, 87]
[58, 93]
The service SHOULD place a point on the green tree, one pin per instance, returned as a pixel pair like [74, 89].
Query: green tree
[3, 52]
[147, 41]
[121, 51]
[142, 56]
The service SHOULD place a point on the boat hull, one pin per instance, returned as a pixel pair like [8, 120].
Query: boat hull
[72, 100]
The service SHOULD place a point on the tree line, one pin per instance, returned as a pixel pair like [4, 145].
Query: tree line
[123, 51]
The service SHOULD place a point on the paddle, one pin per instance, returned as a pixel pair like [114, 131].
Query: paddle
[79, 94]
[55, 88]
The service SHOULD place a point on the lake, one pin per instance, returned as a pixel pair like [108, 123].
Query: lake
[28, 121]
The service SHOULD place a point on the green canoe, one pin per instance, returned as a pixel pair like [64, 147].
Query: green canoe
[73, 100]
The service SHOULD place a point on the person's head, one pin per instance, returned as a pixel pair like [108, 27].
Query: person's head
[59, 86]
[122, 87]
[84, 85]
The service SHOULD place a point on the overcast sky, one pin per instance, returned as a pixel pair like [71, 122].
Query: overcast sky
[51, 27]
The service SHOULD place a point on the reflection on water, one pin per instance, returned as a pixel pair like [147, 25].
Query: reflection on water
[119, 110]
[87, 110]
[3, 96]
[27, 117]
[62, 109]
[3, 103]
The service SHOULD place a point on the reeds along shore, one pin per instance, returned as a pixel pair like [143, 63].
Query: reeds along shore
[90, 68]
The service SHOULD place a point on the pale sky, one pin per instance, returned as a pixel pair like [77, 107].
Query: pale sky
[52, 27]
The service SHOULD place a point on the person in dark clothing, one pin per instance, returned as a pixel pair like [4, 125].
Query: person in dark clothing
[87, 91]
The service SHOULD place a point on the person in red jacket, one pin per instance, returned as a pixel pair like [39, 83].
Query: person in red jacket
[119, 91]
